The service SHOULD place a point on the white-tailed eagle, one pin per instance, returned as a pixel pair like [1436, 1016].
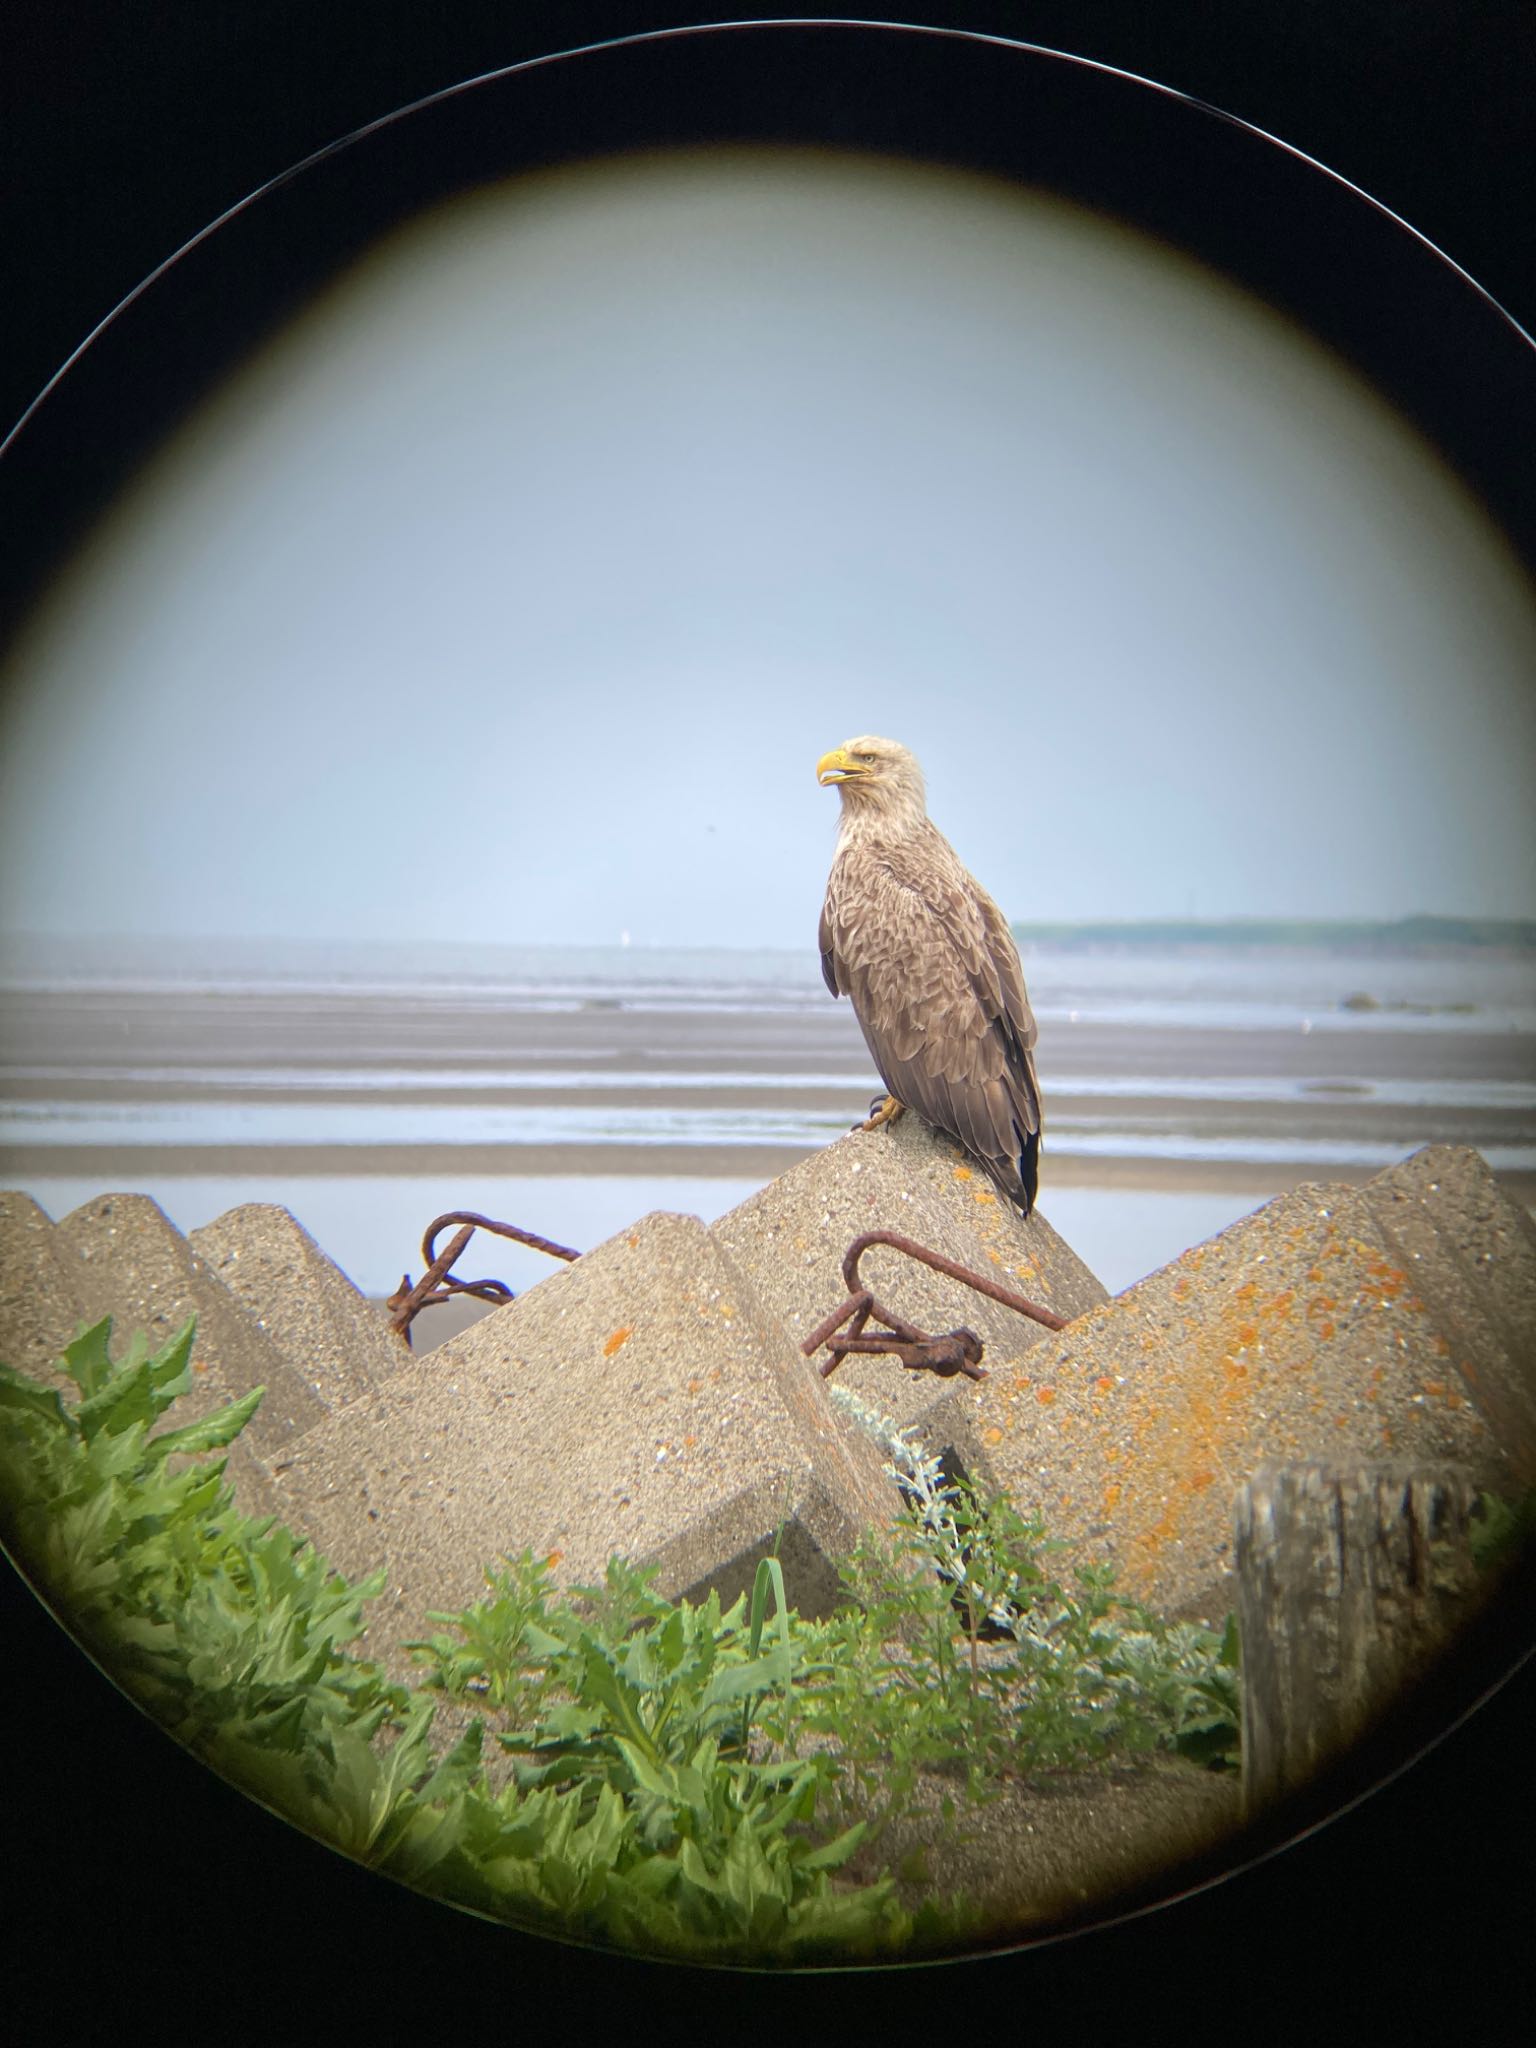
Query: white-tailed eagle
[928, 961]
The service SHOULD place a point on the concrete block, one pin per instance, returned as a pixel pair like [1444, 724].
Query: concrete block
[333, 1337]
[792, 1235]
[640, 1402]
[42, 1293]
[1470, 1254]
[1293, 1335]
[136, 1267]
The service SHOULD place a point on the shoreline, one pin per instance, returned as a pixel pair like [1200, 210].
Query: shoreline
[120, 1168]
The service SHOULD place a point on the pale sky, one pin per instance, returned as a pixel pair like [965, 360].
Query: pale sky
[514, 591]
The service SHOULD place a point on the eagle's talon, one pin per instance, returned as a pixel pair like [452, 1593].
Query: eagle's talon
[883, 1110]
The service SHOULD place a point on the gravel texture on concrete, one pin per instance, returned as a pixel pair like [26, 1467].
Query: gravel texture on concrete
[333, 1336]
[1470, 1254]
[641, 1401]
[792, 1235]
[1293, 1335]
[42, 1293]
[1056, 1846]
[137, 1268]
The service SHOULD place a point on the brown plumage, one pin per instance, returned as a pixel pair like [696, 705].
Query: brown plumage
[928, 961]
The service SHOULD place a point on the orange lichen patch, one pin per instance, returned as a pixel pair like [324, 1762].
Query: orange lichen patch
[1325, 1331]
[1383, 1283]
[695, 1386]
[1322, 1305]
[1197, 1482]
[1443, 1350]
[1104, 1384]
[982, 1195]
[962, 1173]
[1111, 1498]
[618, 1340]
[199, 1365]
[1247, 1291]
[1247, 1333]
[1435, 1387]
[1233, 1369]
[1046, 1395]
[1160, 1533]
[1373, 1393]
[554, 1558]
[689, 1442]
[992, 1436]
[727, 1309]
[1181, 1288]
[632, 1240]
[995, 1256]
[1453, 1401]
[1341, 1422]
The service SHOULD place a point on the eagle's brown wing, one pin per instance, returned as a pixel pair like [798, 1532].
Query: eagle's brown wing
[934, 977]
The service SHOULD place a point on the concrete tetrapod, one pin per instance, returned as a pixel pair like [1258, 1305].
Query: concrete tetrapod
[792, 1235]
[641, 1401]
[1469, 1252]
[43, 1291]
[337, 1339]
[1293, 1335]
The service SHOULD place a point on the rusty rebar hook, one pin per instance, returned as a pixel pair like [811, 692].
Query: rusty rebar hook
[956, 1351]
[437, 1283]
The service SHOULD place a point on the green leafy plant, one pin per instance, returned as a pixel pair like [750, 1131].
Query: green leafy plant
[635, 1815]
[1038, 1675]
[227, 1629]
[654, 1703]
[675, 1778]
[1501, 1529]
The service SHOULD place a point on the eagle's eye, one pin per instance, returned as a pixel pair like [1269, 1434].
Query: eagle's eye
[864, 757]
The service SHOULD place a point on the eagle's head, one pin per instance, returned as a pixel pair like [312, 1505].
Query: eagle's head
[874, 776]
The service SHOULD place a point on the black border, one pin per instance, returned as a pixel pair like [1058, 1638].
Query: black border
[136, 1881]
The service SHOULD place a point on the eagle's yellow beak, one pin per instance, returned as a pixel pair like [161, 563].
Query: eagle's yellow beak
[838, 766]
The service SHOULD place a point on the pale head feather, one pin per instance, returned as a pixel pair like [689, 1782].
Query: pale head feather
[888, 797]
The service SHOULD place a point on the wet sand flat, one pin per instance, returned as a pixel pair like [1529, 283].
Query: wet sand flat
[198, 1036]
[127, 1086]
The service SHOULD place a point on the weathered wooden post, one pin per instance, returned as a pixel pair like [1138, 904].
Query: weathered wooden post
[1352, 1580]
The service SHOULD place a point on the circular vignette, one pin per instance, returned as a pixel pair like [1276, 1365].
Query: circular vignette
[1291, 232]
[1297, 235]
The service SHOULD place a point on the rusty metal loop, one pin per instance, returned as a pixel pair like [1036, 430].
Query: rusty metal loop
[528, 1237]
[1018, 1302]
[955, 1351]
[438, 1284]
